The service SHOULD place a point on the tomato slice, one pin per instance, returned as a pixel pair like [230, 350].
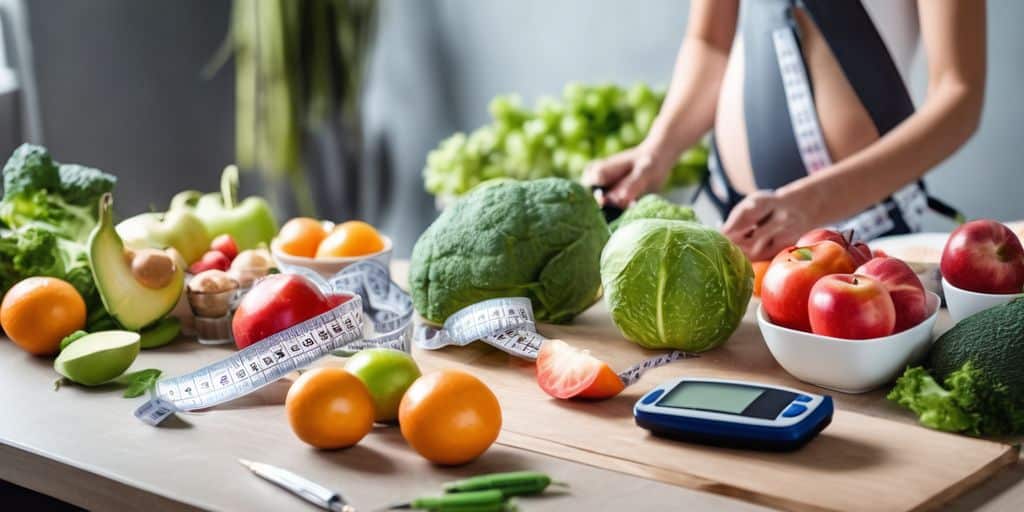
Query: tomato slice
[565, 372]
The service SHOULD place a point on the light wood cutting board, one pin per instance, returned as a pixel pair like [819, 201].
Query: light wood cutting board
[859, 462]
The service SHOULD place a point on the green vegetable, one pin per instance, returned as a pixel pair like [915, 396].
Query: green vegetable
[478, 500]
[539, 239]
[979, 363]
[32, 251]
[58, 199]
[653, 206]
[139, 382]
[675, 284]
[71, 338]
[249, 222]
[161, 333]
[556, 139]
[28, 252]
[516, 483]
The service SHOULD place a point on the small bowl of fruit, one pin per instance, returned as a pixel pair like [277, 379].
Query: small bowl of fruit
[834, 320]
[326, 248]
[982, 267]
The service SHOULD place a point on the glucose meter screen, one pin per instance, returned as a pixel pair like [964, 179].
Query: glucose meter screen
[711, 396]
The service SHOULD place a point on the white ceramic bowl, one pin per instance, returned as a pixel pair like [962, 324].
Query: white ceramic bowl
[964, 303]
[327, 267]
[850, 366]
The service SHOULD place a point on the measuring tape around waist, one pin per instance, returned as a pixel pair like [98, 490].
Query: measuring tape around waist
[377, 302]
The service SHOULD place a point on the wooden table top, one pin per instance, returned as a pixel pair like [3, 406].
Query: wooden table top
[84, 446]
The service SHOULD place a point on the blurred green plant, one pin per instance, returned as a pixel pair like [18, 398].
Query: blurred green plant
[299, 64]
[556, 138]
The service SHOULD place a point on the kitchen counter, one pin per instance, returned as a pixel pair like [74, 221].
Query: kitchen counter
[84, 446]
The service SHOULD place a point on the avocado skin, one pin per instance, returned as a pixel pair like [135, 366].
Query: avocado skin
[992, 341]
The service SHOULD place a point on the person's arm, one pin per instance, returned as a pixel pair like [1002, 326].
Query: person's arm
[953, 33]
[687, 113]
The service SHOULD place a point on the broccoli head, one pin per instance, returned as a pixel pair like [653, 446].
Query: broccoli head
[29, 169]
[60, 199]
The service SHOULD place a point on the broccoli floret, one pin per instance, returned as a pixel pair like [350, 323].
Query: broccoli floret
[28, 252]
[29, 169]
[966, 402]
[83, 186]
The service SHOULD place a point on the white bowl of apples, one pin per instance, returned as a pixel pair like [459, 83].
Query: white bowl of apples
[836, 321]
[982, 267]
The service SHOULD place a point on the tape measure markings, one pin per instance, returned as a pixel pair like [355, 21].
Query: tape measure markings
[631, 375]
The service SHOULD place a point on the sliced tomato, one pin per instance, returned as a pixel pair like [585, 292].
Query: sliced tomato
[565, 372]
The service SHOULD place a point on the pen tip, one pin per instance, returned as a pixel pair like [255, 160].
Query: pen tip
[246, 463]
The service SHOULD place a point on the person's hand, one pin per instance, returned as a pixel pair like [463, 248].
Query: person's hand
[629, 174]
[766, 222]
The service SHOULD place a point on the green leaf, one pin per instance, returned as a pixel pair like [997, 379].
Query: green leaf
[139, 382]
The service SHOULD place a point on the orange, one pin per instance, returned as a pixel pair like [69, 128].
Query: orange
[38, 312]
[301, 236]
[760, 267]
[329, 408]
[450, 417]
[352, 238]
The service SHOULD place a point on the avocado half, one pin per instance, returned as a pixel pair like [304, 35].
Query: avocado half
[133, 305]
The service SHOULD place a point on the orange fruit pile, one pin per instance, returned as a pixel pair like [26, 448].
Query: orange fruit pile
[306, 237]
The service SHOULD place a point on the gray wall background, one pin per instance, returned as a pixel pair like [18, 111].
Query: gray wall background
[121, 88]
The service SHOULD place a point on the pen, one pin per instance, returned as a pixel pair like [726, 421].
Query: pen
[301, 487]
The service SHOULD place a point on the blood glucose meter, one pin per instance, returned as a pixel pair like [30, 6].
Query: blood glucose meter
[733, 413]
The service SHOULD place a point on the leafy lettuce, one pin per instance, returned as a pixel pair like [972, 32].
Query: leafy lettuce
[965, 402]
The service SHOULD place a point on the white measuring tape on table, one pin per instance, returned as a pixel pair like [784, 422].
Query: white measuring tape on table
[505, 323]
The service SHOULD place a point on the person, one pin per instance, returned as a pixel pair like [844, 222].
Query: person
[811, 122]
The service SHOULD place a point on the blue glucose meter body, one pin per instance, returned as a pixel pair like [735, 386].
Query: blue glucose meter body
[733, 413]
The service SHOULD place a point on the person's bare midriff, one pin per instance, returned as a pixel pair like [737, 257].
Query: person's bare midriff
[844, 121]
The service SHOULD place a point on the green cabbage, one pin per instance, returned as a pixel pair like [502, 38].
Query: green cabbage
[675, 284]
[539, 239]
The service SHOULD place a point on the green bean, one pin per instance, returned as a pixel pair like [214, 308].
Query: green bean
[516, 483]
[461, 501]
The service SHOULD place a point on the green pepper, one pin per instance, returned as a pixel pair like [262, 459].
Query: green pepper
[250, 222]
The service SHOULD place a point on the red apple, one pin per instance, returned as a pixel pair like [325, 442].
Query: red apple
[851, 307]
[858, 250]
[984, 256]
[274, 304]
[820, 235]
[787, 282]
[904, 287]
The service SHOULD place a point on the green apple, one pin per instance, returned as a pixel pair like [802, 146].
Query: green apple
[249, 222]
[178, 228]
[387, 373]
